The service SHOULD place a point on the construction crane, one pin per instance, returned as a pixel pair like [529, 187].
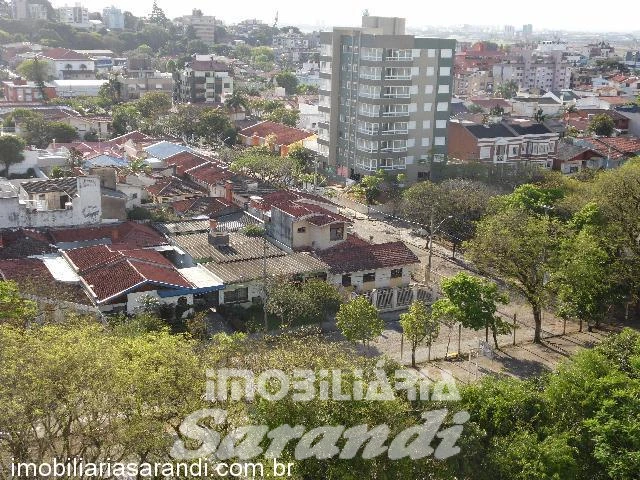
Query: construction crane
[275, 23]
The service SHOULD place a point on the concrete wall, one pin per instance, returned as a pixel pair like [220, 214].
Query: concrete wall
[383, 279]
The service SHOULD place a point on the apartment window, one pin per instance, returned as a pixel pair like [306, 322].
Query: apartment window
[431, 71]
[370, 73]
[438, 157]
[485, 152]
[374, 54]
[428, 89]
[396, 273]
[428, 106]
[346, 280]
[369, 91]
[395, 128]
[393, 146]
[439, 141]
[368, 146]
[426, 124]
[397, 92]
[369, 110]
[336, 232]
[399, 55]
[431, 52]
[441, 124]
[369, 277]
[392, 164]
[445, 71]
[513, 150]
[302, 229]
[443, 106]
[443, 88]
[369, 164]
[395, 110]
[239, 295]
[396, 73]
[426, 141]
[446, 53]
[368, 128]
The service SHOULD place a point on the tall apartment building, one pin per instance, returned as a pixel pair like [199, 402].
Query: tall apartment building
[76, 16]
[384, 99]
[204, 79]
[535, 70]
[203, 25]
[113, 18]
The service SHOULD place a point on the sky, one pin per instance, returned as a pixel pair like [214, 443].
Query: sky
[543, 14]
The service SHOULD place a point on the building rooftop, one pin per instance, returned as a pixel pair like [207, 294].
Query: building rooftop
[185, 160]
[133, 234]
[63, 54]
[208, 206]
[240, 247]
[68, 185]
[163, 149]
[355, 255]
[246, 270]
[285, 135]
[22, 242]
[109, 273]
[174, 187]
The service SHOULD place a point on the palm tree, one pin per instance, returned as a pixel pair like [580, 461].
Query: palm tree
[236, 100]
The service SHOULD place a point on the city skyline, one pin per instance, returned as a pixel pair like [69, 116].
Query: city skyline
[337, 13]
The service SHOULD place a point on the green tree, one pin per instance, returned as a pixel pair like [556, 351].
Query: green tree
[288, 81]
[518, 247]
[14, 309]
[34, 70]
[11, 151]
[323, 297]
[474, 302]
[237, 100]
[602, 125]
[157, 15]
[419, 326]
[287, 302]
[358, 320]
[507, 90]
[288, 116]
[264, 164]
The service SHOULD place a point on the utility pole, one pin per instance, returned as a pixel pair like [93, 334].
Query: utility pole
[264, 280]
[432, 232]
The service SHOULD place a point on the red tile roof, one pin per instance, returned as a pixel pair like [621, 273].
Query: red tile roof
[285, 135]
[616, 147]
[22, 243]
[63, 54]
[34, 278]
[209, 174]
[303, 206]
[109, 273]
[174, 187]
[209, 206]
[184, 161]
[132, 234]
[134, 136]
[355, 255]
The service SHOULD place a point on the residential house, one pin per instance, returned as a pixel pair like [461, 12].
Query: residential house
[507, 142]
[530, 106]
[284, 136]
[210, 207]
[20, 90]
[632, 112]
[65, 64]
[572, 158]
[581, 119]
[614, 150]
[488, 104]
[48, 203]
[171, 189]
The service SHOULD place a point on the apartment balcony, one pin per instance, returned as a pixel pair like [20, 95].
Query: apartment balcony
[395, 132]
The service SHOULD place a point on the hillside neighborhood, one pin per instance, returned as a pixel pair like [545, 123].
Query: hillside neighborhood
[183, 193]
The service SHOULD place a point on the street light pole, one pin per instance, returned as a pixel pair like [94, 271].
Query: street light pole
[264, 280]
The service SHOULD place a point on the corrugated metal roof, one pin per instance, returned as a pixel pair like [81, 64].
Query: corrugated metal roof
[240, 247]
[244, 271]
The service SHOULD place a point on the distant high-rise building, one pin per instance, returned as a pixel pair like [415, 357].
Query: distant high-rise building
[204, 26]
[384, 99]
[509, 30]
[527, 30]
[113, 18]
[76, 16]
[24, 9]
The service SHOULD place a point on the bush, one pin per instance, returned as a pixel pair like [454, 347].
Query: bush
[253, 231]
[139, 213]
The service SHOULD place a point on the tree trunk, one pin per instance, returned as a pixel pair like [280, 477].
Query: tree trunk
[495, 337]
[413, 356]
[580, 324]
[453, 251]
[537, 318]
[486, 331]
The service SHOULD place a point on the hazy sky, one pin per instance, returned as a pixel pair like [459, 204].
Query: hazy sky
[550, 14]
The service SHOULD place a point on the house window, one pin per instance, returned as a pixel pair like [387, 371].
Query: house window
[346, 280]
[68, 66]
[238, 295]
[485, 152]
[336, 232]
[302, 229]
[369, 277]
[396, 273]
